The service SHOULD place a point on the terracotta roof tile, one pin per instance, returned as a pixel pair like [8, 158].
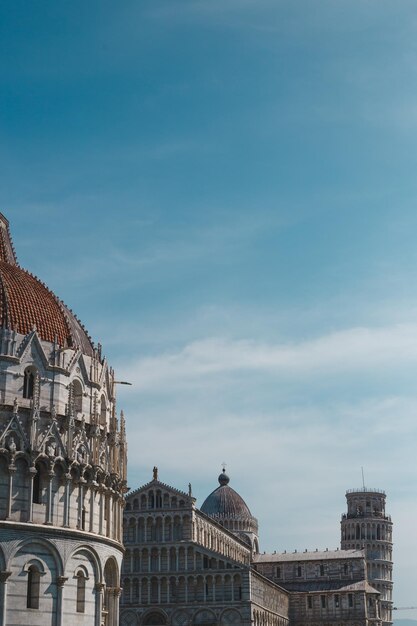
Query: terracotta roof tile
[26, 303]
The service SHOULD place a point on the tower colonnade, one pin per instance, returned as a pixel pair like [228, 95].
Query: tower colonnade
[366, 526]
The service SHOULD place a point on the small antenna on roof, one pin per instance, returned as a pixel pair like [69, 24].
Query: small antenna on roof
[363, 479]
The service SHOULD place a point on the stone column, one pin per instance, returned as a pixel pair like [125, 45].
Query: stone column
[109, 594]
[92, 502]
[67, 500]
[116, 595]
[49, 500]
[60, 582]
[101, 505]
[12, 471]
[81, 484]
[109, 515]
[32, 474]
[3, 596]
[99, 587]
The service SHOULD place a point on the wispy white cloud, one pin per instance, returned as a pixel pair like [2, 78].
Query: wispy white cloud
[290, 462]
[355, 350]
[291, 465]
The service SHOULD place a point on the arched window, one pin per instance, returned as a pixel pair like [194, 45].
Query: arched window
[28, 383]
[39, 483]
[78, 396]
[33, 588]
[131, 530]
[80, 592]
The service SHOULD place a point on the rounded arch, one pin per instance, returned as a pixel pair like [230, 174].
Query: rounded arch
[128, 618]
[29, 377]
[30, 546]
[81, 570]
[180, 618]
[34, 563]
[205, 617]
[111, 572]
[155, 618]
[91, 555]
[230, 617]
[77, 394]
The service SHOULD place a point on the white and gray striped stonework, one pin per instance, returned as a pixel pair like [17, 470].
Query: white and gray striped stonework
[58, 555]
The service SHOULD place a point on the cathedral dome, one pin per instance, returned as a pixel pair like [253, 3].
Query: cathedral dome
[225, 503]
[26, 303]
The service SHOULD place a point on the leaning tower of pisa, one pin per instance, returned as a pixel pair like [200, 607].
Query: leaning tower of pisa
[366, 525]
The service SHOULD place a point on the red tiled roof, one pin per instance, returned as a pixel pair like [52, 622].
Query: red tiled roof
[26, 303]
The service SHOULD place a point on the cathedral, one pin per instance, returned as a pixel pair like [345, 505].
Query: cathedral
[186, 566]
[76, 549]
[62, 461]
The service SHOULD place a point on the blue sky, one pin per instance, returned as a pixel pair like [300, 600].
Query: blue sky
[224, 191]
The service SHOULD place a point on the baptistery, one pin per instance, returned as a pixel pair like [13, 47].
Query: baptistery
[62, 461]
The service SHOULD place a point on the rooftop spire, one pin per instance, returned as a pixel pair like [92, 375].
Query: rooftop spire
[7, 252]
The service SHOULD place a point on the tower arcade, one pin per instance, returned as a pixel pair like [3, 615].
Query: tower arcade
[366, 525]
